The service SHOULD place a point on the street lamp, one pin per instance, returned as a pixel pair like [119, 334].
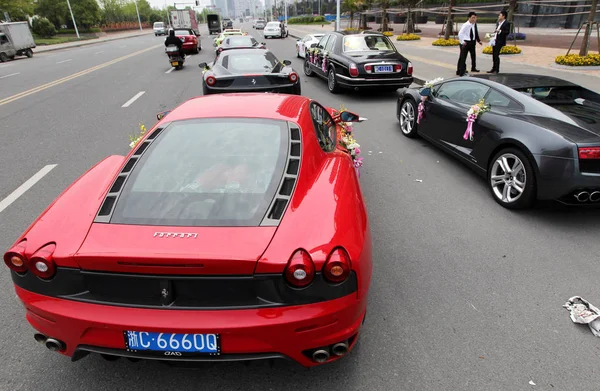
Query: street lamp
[73, 17]
[337, 18]
[138, 14]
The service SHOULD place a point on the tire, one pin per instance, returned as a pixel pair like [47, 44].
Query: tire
[29, 53]
[3, 57]
[505, 184]
[179, 67]
[298, 52]
[407, 117]
[196, 51]
[332, 84]
[307, 71]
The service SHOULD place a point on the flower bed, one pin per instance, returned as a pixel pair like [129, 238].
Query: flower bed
[408, 37]
[504, 50]
[388, 33]
[446, 42]
[517, 36]
[576, 60]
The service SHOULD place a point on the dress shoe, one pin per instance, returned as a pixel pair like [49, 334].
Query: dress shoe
[492, 71]
[475, 70]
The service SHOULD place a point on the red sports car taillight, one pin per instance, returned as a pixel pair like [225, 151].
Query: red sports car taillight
[353, 70]
[410, 69]
[293, 77]
[338, 266]
[42, 264]
[15, 258]
[589, 153]
[300, 270]
[211, 81]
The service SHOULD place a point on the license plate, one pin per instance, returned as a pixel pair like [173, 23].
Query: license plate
[174, 64]
[384, 68]
[169, 342]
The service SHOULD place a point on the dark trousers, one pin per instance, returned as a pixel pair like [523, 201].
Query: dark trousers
[496, 57]
[465, 50]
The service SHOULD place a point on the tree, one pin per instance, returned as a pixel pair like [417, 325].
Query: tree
[512, 8]
[86, 12]
[55, 11]
[449, 22]
[588, 30]
[410, 23]
[350, 6]
[18, 10]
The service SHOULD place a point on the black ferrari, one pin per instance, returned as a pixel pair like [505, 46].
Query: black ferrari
[249, 70]
[239, 42]
[540, 138]
[358, 61]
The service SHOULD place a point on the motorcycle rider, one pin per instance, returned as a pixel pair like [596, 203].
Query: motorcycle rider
[173, 40]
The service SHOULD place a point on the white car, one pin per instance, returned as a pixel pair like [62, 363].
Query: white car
[273, 29]
[302, 45]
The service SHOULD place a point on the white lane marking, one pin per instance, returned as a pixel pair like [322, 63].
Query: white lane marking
[130, 101]
[170, 70]
[99, 52]
[12, 197]
[123, 46]
[60, 62]
[12, 74]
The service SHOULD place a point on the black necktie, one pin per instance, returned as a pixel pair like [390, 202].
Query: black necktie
[472, 34]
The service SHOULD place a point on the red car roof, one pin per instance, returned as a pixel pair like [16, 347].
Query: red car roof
[250, 105]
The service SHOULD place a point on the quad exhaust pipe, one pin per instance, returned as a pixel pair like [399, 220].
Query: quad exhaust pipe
[339, 349]
[322, 355]
[52, 344]
[585, 196]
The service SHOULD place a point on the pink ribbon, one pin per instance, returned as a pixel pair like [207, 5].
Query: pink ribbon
[421, 110]
[324, 67]
[469, 132]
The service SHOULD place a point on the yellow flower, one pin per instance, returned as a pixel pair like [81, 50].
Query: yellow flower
[504, 50]
[407, 37]
[446, 42]
[577, 60]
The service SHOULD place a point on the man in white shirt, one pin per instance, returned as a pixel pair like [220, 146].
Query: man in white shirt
[468, 37]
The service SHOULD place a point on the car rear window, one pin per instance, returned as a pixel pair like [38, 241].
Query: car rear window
[244, 62]
[183, 32]
[240, 41]
[364, 43]
[206, 172]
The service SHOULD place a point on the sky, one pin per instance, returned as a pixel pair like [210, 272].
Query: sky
[161, 3]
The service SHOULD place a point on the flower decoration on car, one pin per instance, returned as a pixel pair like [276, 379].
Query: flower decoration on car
[425, 92]
[349, 143]
[134, 140]
[324, 62]
[474, 112]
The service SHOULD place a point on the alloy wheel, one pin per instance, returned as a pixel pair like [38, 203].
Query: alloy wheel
[508, 178]
[407, 117]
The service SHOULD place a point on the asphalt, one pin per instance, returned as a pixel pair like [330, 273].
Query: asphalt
[465, 294]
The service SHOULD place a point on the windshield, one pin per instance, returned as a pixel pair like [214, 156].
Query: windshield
[206, 172]
[362, 43]
[258, 61]
[232, 33]
[159, 24]
[240, 41]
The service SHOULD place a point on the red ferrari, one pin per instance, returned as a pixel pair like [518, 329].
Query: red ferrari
[224, 235]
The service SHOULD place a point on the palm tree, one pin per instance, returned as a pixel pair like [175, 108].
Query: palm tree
[363, 5]
[350, 6]
[449, 24]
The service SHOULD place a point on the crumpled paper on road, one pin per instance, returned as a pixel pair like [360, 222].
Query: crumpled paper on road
[584, 313]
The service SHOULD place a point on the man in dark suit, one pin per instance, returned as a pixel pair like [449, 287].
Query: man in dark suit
[468, 37]
[502, 31]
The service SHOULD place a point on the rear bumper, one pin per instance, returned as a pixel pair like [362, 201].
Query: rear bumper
[560, 178]
[284, 332]
[288, 89]
[362, 82]
[190, 46]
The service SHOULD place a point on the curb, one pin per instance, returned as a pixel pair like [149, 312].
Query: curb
[87, 43]
[417, 79]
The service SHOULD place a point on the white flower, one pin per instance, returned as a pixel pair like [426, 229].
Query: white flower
[353, 145]
[430, 83]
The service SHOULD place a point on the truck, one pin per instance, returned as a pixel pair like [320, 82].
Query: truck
[15, 40]
[185, 19]
[214, 24]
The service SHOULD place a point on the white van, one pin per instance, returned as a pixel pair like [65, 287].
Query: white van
[160, 29]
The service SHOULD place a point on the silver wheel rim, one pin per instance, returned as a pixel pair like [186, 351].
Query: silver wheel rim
[508, 178]
[306, 68]
[407, 118]
[331, 81]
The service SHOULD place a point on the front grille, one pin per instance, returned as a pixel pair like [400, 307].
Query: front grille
[182, 292]
[589, 165]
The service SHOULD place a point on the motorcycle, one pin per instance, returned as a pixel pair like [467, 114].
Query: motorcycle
[175, 57]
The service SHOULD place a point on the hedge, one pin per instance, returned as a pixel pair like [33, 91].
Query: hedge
[81, 31]
[306, 19]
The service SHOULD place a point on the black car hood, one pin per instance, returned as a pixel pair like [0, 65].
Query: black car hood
[375, 55]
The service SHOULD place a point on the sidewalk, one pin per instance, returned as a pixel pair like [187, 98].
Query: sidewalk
[430, 61]
[106, 38]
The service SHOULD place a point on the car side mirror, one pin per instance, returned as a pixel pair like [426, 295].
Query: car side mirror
[287, 62]
[203, 65]
[162, 115]
[347, 116]
[313, 45]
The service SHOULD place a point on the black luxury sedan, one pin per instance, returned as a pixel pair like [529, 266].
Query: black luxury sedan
[249, 70]
[358, 61]
[239, 42]
[540, 138]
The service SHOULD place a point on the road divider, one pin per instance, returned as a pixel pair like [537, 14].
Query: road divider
[135, 97]
[73, 76]
[12, 197]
